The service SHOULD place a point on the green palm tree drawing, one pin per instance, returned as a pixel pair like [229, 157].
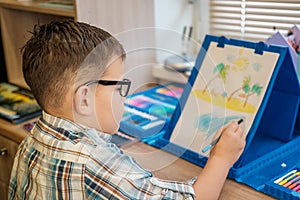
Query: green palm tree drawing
[247, 89]
[222, 71]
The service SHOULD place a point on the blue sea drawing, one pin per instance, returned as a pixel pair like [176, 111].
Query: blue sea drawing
[210, 123]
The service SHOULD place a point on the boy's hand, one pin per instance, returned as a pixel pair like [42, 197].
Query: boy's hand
[231, 144]
[222, 156]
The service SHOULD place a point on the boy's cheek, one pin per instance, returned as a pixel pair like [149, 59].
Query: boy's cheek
[117, 106]
[118, 110]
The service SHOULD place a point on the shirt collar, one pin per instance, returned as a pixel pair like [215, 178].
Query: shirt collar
[69, 125]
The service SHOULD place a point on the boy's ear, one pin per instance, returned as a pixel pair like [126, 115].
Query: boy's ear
[83, 103]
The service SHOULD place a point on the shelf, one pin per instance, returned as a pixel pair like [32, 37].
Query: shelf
[39, 7]
[161, 74]
[17, 19]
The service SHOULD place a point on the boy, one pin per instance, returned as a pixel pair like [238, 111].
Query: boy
[75, 72]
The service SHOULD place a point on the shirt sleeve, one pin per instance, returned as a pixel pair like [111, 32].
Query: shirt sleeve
[118, 176]
[174, 189]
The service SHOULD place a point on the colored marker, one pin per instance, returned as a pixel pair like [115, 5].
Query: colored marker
[293, 180]
[284, 181]
[294, 185]
[284, 176]
[213, 143]
[297, 188]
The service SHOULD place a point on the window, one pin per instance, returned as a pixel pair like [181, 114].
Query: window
[254, 20]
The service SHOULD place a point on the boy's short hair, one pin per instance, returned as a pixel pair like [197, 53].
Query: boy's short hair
[56, 52]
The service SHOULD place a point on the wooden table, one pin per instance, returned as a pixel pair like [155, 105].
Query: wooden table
[167, 166]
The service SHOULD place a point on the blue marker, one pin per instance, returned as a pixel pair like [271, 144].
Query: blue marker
[213, 143]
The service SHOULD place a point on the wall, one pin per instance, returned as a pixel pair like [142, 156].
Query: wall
[150, 30]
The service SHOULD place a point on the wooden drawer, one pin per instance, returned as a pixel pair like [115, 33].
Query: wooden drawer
[3, 190]
[6, 160]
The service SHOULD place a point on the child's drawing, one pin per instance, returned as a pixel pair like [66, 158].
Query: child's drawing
[230, 85]
[221, 70]
[210, 123]
[247, 90]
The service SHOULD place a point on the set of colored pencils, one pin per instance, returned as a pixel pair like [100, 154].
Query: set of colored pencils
[290, 180]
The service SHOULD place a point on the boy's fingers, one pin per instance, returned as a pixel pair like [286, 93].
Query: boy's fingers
[241, 131]
[236, 128]
[233, 126]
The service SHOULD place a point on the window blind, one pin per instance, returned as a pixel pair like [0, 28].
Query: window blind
[253, 19]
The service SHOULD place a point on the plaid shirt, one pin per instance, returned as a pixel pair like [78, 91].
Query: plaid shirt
[61, 160]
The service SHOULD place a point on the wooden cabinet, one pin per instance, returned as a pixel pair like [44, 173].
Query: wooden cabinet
[8, 149]
[3, 190]
[17, 20]
[10, 137]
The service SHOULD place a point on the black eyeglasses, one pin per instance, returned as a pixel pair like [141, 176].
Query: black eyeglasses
[124, 85]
